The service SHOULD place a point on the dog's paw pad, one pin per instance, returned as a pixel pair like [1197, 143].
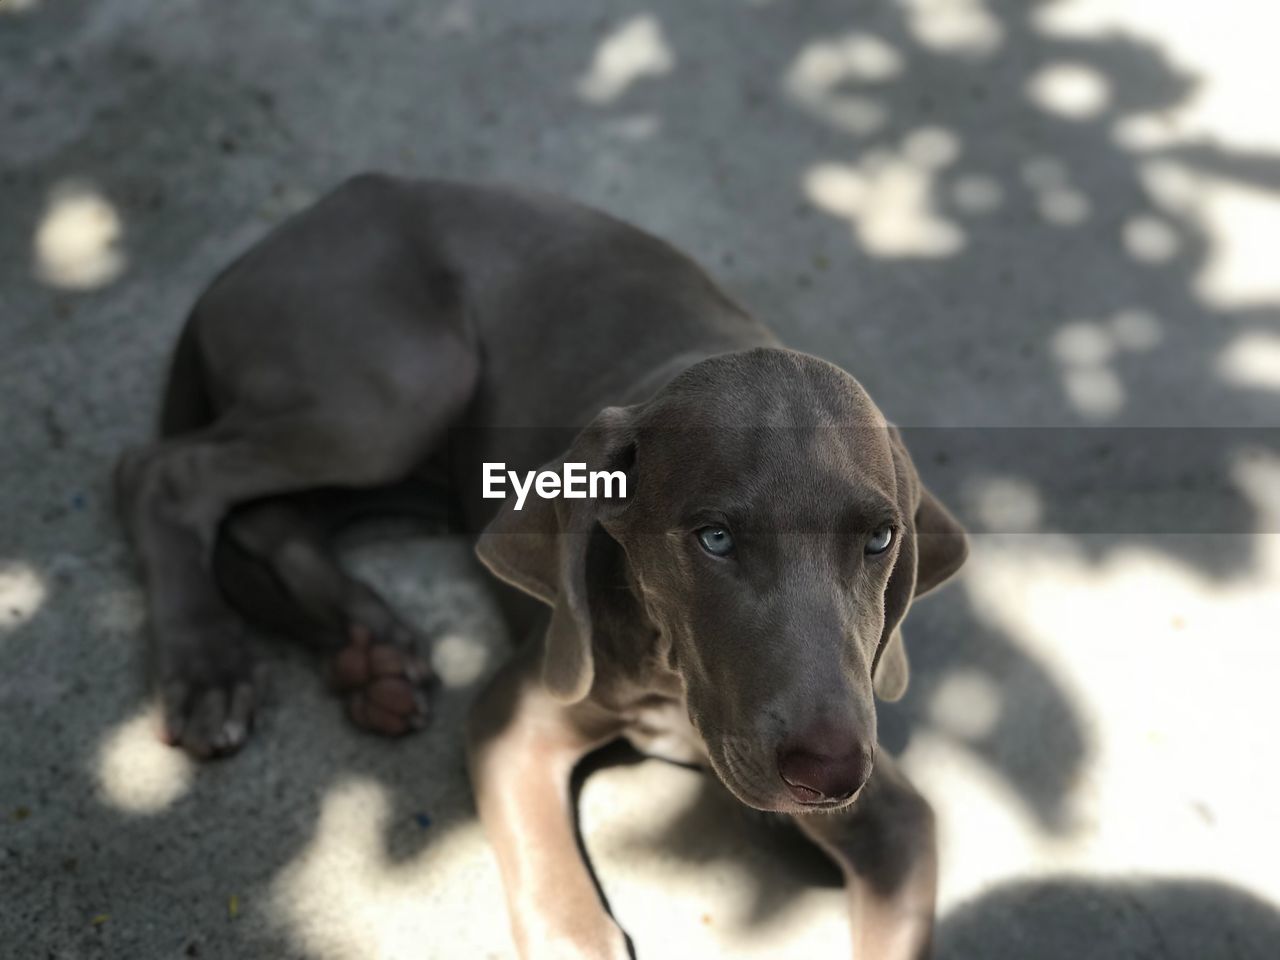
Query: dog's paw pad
[384, 684]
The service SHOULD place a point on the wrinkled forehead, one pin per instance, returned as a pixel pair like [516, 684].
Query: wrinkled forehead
[787, 467]
[798, 437]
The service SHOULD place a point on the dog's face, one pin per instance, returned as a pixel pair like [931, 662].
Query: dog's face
[765, 523]
[770, 531]
[768, 584]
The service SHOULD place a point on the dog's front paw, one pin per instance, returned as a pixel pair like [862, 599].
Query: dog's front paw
[384, 683]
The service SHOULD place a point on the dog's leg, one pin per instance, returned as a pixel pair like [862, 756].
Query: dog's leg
[172, 497]
[886, 846]
[275, 563]
[522, 748]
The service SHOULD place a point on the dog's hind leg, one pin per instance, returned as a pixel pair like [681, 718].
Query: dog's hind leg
[337, 352]
[174, 495]
[276, 564]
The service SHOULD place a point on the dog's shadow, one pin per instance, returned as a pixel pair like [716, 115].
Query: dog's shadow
[1075, 917]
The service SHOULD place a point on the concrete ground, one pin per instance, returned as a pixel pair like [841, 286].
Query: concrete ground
[998, 214]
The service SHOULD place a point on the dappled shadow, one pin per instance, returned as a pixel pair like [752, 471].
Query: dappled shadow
[107, 831]
[1031, 735]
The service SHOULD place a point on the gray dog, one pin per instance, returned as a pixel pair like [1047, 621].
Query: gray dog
[739, 608]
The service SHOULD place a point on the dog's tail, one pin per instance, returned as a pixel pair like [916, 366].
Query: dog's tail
[187, 405]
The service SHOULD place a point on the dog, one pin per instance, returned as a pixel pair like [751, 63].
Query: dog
[739, 608]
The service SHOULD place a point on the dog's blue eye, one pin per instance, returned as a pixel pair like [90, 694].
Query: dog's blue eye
[880, 540]
[717, 541]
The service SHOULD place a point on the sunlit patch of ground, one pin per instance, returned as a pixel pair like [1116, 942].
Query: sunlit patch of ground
[77, 243]
[343, 899]
[1174, 674]
[137, 773]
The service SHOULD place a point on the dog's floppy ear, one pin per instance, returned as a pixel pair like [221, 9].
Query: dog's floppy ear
[542, 549]
[940, 543]
[893, 672]
[932, 548]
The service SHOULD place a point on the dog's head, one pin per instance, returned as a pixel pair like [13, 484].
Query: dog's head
[775, 533]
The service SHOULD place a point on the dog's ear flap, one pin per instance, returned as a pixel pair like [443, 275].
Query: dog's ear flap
[940, 542]
[893, 672]
[932, 548]
[542, 549]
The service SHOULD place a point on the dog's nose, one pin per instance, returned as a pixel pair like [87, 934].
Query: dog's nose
[814, 777]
